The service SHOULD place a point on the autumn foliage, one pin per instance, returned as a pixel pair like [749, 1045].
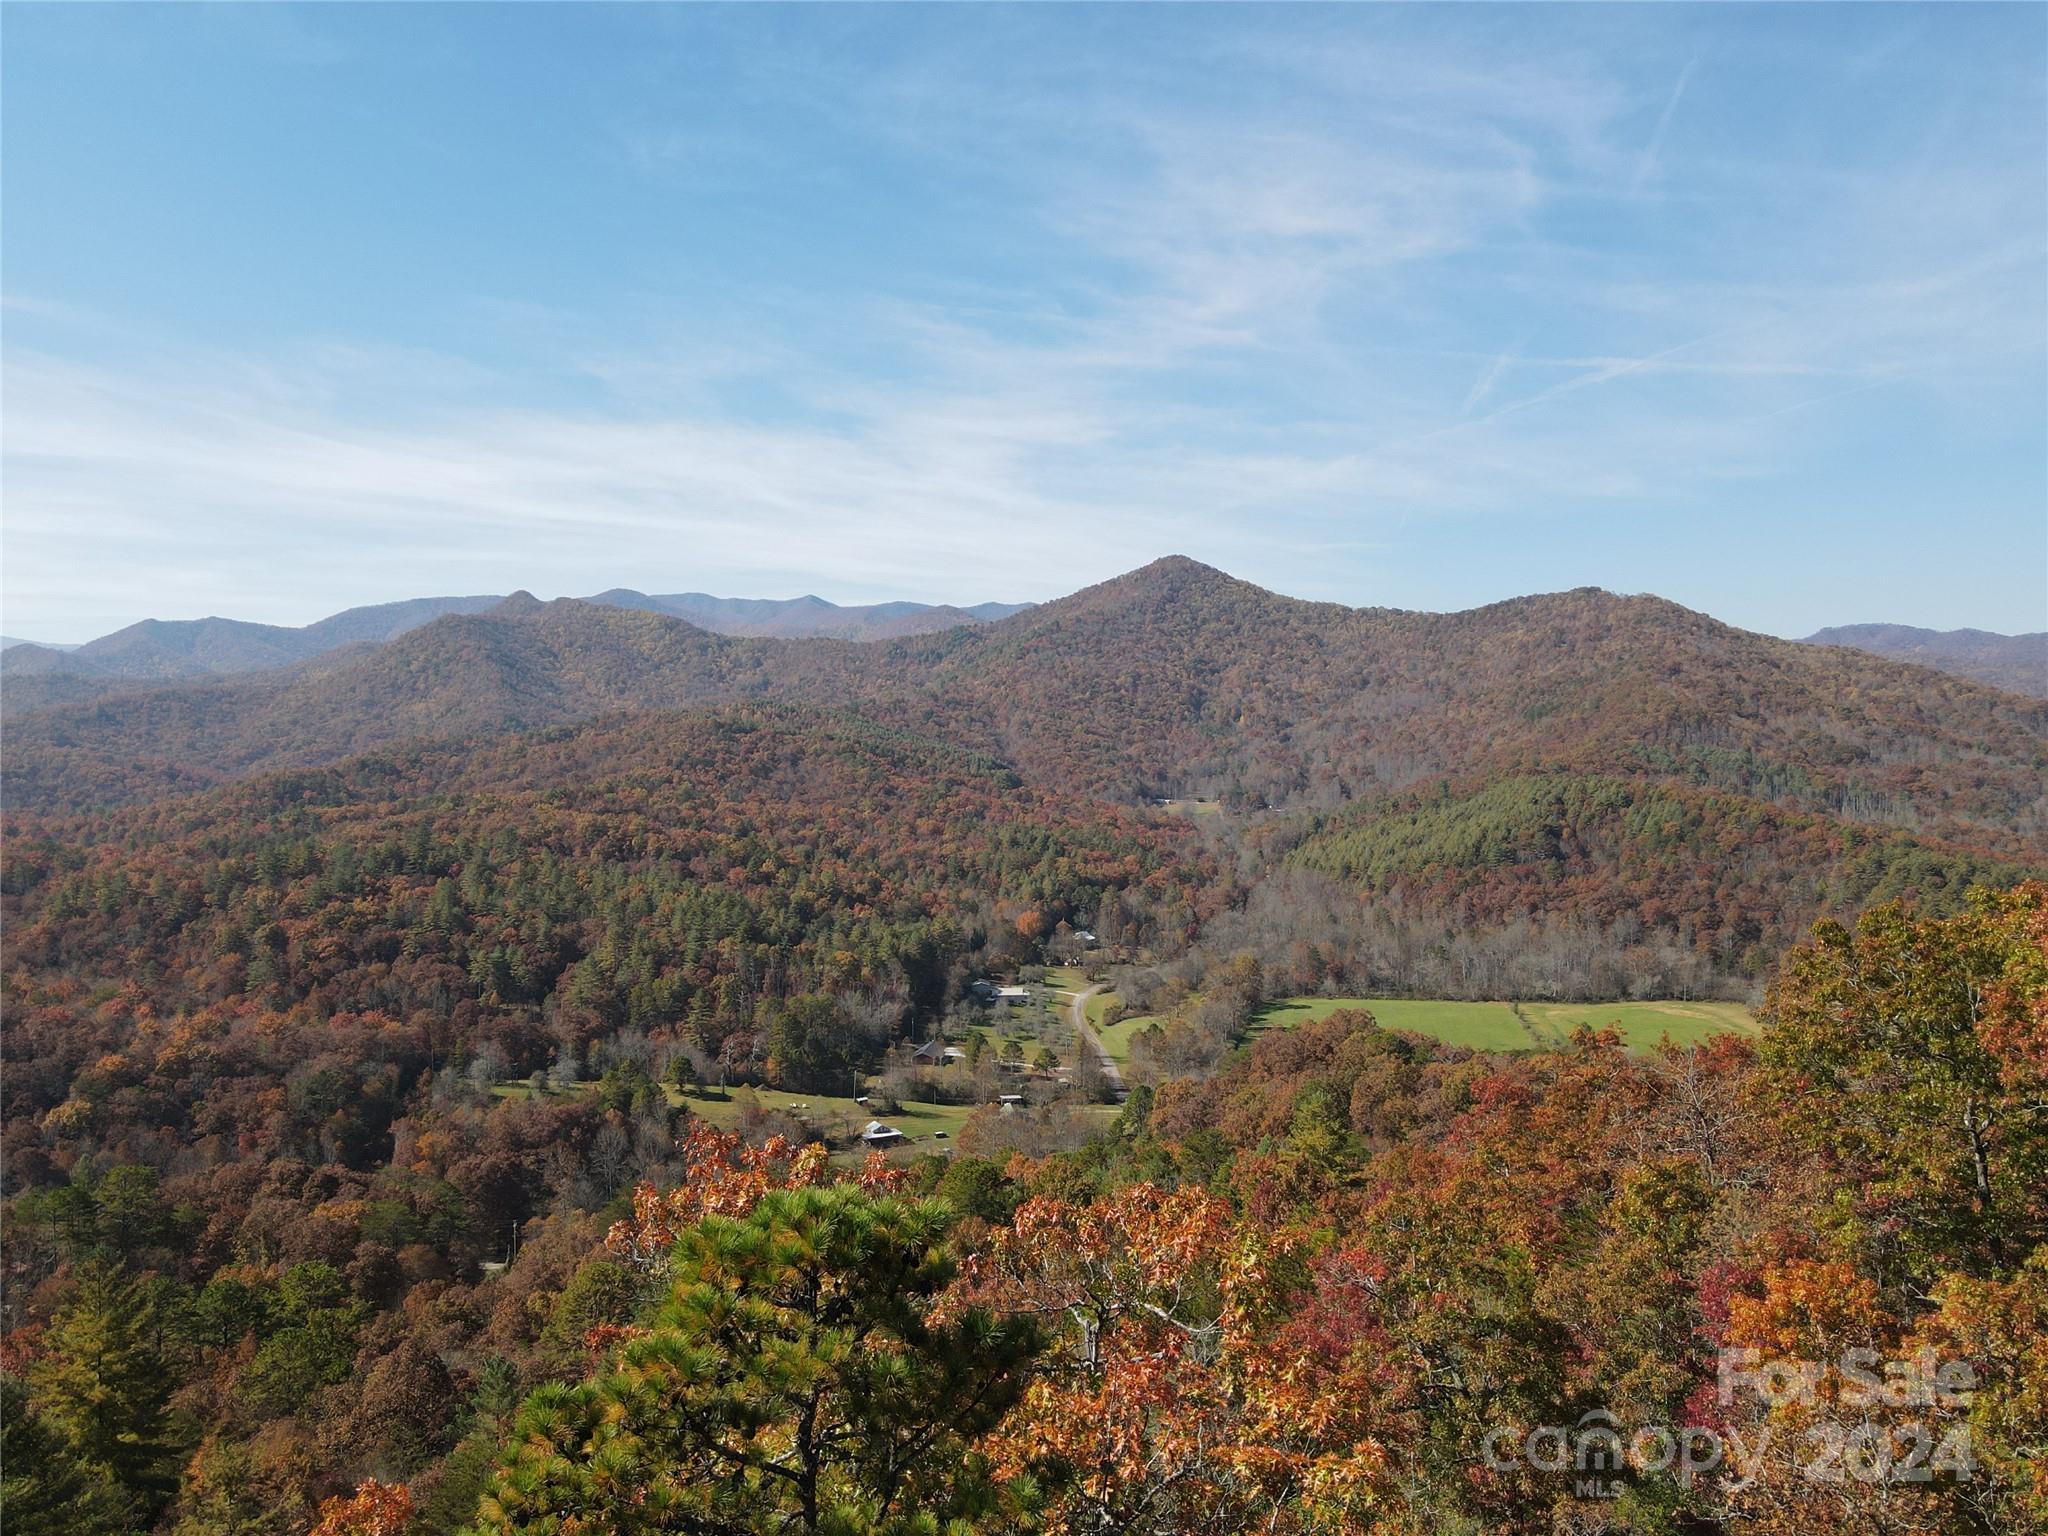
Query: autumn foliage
[350, 1185]
[374, 1509]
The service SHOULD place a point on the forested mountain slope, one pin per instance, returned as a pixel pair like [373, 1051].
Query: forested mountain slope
[1740, 878]
[193, 648]
[333, 1053]
[169, 650]
[521, 664]
[2015, 662]
[1178, 679]
[157, 650]
[1175, 679]
[808, 617]
[654, 873]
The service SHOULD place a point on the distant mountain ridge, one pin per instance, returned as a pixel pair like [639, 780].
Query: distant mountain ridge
[1574, 758]
[2015, 662]
[1172, 680]
[807, 617]
[157, 650]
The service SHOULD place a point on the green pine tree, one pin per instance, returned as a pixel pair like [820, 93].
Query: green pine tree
[794, 1382]
[102, 1384]
[43, 1484]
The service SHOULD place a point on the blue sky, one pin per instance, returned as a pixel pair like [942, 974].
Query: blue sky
[1426, 307]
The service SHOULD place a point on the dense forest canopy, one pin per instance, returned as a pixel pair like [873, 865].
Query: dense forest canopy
[1349, 1284]
[366, 1021]
[1173, 680]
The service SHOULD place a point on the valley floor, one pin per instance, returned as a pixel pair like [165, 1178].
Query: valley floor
[835, 1117]
[1488, 1026]
[1524, 1026]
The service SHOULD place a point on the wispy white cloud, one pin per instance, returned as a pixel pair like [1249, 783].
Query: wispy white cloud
[1646, 166]
[1485, 384]
[1251, 334]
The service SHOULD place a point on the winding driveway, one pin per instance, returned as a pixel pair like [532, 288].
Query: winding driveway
[1077, 1015]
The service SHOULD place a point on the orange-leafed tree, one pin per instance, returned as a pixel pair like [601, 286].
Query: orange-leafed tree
[374, 1509]
[726, 1177]
[1169, 1406]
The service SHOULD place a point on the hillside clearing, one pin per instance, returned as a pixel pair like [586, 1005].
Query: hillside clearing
[1500, 1026]
[829, 1115]
[1116, 1038]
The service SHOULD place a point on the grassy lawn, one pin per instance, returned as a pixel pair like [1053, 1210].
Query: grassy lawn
[1482, 1026]
[996, 1037]
[1065, 978]
[1116, 1038]
[1028, 1027]
[1494, 1026]
[524, 1090]
[1643, 1025]
[829, 1114]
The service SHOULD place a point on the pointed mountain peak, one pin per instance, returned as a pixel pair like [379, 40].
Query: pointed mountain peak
[1179, 568]
[518, 605]
[1171, 578]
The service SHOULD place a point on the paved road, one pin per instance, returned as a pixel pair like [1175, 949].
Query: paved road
[1077, 1015]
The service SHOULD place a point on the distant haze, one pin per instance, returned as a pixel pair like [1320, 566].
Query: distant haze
[193, 648]
[2015, 662]
[166, 649]
[1423, 307]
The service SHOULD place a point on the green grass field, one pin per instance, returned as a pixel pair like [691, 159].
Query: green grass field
[1642, 1025]
[1495, 1027]
[831, 1115]
[1482, 1026]
[1116, 1038]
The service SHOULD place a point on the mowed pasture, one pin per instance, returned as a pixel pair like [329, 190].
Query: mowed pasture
[828, 1114]
[1116, 1038]
[1643, 1025]
[1523, 1026]
[835, 1116]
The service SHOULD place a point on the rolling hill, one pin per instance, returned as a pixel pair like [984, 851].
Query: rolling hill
[1180, 680]
[2015, 662]
[1740, 874]
[520, 664]
[1173, 680]
[807, 617]
[157, 650]
[170, 650]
